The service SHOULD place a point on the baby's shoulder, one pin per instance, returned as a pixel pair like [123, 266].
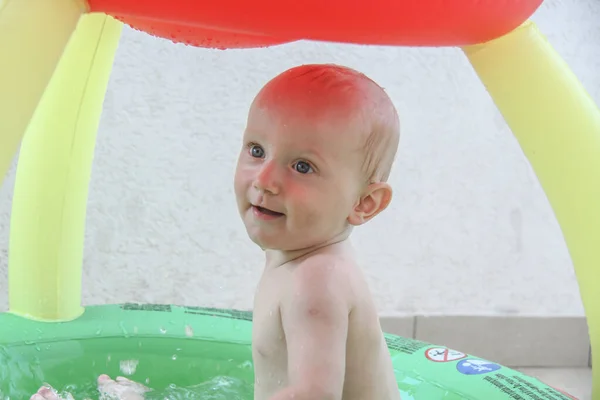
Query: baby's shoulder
[325, 273]
[325, 265]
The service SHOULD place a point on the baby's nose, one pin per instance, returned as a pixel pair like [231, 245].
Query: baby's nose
[267, 179]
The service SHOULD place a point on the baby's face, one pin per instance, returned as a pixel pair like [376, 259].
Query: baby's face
[298, 175]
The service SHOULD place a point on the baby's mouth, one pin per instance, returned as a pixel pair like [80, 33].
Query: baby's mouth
[266, 211]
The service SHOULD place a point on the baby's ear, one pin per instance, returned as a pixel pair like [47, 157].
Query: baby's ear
[374, 200]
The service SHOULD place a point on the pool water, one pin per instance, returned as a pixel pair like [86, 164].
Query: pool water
[173, 368]
[217, 388]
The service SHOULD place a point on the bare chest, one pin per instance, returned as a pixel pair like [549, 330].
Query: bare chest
[269, 350]
[268, 339]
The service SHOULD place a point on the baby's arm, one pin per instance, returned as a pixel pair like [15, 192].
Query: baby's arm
[315, 322]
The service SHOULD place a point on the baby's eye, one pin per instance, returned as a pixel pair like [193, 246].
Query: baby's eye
[303, 167]
[256, 151]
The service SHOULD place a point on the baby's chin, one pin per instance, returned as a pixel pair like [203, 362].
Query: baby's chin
[265, 243]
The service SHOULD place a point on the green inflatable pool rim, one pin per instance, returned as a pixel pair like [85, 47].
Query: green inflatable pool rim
[177, 344]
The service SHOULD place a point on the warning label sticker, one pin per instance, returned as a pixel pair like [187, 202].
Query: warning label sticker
[210, 311]
[476, 367]
[404, 345]
[220, 312]
[519, 388]
[442, 354]
[146, 307]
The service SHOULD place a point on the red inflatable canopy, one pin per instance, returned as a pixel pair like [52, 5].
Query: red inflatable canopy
[258, 23]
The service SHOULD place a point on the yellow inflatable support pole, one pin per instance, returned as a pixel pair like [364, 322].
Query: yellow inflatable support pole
[50, 198]
[33, 35]
[558, 127]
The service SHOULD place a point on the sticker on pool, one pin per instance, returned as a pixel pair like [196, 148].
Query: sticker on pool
[472, 366]
[442, 354]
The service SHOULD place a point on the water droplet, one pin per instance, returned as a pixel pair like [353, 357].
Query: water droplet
[147, 381]
[123, 329]
[128, 367]
[174, 357]
[189, 332]
[38, 348]
[163, 330]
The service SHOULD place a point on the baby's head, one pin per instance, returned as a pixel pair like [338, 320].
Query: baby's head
[317, 152]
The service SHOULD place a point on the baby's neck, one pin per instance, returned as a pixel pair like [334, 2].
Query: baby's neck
[339, 243]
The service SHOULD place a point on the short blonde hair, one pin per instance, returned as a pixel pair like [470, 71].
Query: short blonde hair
[374, 107]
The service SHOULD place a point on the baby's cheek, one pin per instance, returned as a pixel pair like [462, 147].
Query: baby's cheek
[314, 219]
[240, 184]
[308, 217]
[310, 210]
[322, 223]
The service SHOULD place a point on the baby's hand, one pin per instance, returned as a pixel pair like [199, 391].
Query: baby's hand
[48, 393]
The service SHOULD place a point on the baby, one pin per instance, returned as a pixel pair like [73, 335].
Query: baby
[317, 152]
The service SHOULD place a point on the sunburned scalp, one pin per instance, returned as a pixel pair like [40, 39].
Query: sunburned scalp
[332, 92]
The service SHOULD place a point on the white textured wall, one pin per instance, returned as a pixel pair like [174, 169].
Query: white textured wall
[469, 231]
